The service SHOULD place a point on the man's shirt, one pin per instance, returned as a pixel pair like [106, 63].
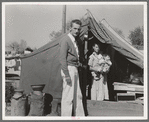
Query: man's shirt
[74, 42]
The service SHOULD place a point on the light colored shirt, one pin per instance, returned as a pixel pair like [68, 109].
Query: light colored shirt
[95, 59]
[73, 41]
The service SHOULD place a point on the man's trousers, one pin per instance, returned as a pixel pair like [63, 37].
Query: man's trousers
[69, 92]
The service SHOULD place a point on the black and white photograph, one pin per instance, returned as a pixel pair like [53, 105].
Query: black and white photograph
[74, 61]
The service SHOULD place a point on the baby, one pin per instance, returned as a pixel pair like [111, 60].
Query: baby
[102, 66]
[107, 64]
[99, 67]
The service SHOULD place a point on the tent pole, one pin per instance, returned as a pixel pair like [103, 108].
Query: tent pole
[64, 20]
[91, 15]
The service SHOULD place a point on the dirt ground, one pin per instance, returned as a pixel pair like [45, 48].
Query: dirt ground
[8, 109]
[106, 108]
[109, 108]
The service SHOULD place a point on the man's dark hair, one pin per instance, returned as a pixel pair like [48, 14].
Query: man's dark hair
[77, 21]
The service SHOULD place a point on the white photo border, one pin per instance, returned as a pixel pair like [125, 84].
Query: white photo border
[76, 118]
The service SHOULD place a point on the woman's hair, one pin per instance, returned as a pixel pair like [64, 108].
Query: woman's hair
[77, 21]
[98, 46]
[95, 44]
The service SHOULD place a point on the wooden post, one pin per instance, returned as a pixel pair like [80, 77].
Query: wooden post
[64, 20]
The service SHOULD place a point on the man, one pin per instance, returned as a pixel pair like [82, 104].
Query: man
[69, 56]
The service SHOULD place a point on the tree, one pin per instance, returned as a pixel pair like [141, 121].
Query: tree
[14, 46]
[54, 34]
[136, 36]
[23, 46]
[18, 47]
[34, 48]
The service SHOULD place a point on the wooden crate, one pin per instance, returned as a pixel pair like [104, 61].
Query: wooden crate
[126, 96]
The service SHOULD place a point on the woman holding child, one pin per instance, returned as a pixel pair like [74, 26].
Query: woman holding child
[99, 65]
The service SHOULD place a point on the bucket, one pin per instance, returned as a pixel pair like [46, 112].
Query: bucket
[18, 104]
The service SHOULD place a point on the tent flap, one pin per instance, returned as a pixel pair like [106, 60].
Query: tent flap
[105, 34]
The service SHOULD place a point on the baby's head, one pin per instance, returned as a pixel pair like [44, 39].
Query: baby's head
[106, 57]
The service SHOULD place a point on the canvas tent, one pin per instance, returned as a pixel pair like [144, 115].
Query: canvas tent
[105, 34]
[121, 45]
[42, 66]
[125, 58]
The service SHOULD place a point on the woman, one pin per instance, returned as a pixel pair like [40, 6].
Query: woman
[98, 66]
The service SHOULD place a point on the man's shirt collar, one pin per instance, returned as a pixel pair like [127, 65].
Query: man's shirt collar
[71, 37]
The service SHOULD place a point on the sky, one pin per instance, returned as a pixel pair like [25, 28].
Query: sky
[34, 22]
